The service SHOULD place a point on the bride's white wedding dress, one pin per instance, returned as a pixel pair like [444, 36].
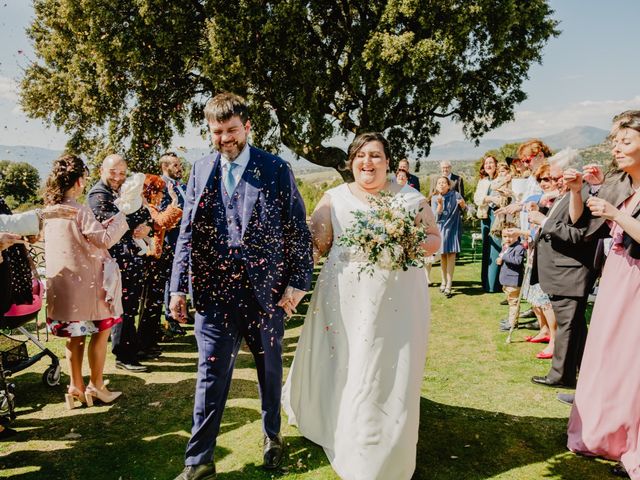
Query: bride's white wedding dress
[354, 386]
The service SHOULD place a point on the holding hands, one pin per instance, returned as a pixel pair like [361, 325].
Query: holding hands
[290, 300]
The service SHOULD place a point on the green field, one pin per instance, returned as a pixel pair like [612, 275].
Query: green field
[480, 415]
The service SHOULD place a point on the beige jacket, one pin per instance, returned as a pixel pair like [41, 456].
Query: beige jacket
[75, 255]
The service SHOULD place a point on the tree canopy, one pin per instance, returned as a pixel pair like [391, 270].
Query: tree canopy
[19, 182]
[128, 73]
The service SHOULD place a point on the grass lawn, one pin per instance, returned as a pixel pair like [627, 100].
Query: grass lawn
[481, 417]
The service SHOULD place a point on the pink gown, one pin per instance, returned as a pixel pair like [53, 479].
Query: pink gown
[605, 418]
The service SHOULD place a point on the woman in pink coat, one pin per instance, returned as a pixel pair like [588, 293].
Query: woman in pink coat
[83, 280]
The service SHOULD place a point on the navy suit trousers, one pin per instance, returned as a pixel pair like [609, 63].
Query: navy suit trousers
[219, 330]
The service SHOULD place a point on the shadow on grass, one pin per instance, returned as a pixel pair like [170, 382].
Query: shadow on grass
[460, 442]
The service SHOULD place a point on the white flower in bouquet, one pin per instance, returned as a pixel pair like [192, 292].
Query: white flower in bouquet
[386, 235]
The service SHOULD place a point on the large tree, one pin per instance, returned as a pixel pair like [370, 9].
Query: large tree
[116, 73]
[19, 180]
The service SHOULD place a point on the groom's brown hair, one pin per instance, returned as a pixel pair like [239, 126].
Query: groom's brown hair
[224, 106]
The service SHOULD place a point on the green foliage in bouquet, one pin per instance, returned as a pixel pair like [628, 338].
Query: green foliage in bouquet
[386, 235]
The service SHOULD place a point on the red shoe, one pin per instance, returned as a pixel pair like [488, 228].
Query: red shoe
[544, 355]
[538, 340]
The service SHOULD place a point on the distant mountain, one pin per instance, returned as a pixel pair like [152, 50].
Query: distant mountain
[41, 158]
[577, 137]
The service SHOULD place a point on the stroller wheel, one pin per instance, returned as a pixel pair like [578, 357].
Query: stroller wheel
[51, 376]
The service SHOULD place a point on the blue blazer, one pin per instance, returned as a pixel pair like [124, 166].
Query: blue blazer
[276, 242]
[512, 267]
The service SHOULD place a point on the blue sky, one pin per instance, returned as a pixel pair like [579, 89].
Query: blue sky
[589, 73]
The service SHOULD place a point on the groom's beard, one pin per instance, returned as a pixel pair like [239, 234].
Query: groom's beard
[231, 150]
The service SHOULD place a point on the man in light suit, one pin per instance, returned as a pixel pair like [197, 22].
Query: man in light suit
[457, 182]
[244, 251]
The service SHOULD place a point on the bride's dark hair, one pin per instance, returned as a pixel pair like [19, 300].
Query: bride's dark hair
[361, 140]
[65, 173]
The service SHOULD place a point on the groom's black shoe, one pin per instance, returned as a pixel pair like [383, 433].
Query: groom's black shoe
[548, 383]
[273, 452]
[198, 472]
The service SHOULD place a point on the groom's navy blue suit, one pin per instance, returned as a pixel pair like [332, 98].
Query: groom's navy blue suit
[237, 254]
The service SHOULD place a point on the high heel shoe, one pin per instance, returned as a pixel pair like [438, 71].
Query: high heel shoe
[102, 394]
[74, 395]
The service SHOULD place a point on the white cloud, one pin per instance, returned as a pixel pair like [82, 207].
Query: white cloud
[8, 89]
[549, 121]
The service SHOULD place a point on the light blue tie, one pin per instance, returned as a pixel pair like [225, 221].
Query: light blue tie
[229, 179]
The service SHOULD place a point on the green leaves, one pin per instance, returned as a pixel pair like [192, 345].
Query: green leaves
[130, 73]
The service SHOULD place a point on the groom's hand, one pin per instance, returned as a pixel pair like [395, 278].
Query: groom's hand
[178, 308]
[290, 300]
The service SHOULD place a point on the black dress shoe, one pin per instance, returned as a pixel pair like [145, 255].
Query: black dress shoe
[504, 302]
[198, 472]
[7, 433]
[273, 452]
[566, 398]
[132, 366]
[619, 471]
[548, 383]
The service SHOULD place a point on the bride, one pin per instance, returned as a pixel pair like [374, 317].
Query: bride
[354, 386]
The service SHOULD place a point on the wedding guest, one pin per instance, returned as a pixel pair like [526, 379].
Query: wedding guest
[457, 182]
[413, 181]
[533, 293]
[486, 202]
[447, 206]
[244, 251]
[101, 199]
[354, 386]
[563, 266]
[501, 188]
[511, 261]
[149, 331]
[172, 168]
[605, 420]
[402, 177]
[83, 283]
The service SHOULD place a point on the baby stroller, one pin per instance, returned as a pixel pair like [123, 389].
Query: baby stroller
[14, 356]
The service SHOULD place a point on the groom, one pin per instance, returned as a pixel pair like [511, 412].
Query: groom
[244, 251]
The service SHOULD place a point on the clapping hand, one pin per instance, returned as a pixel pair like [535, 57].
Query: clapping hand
[173, 195]
[290, 300]
[593, 174]
[601, 208]
[440, 199]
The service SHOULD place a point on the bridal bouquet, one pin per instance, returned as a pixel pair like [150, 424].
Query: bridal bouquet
[386, 235]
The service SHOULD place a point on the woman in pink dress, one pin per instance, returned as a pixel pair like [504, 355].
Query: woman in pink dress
[605, 419]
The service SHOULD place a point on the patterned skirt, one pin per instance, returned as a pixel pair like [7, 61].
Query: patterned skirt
[80, 329]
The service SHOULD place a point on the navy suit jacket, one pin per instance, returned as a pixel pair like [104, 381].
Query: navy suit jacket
[276, 242]
[101, 200]
[512, 267]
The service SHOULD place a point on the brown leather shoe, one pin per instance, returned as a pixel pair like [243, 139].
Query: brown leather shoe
[273, 452]
[198, 472]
